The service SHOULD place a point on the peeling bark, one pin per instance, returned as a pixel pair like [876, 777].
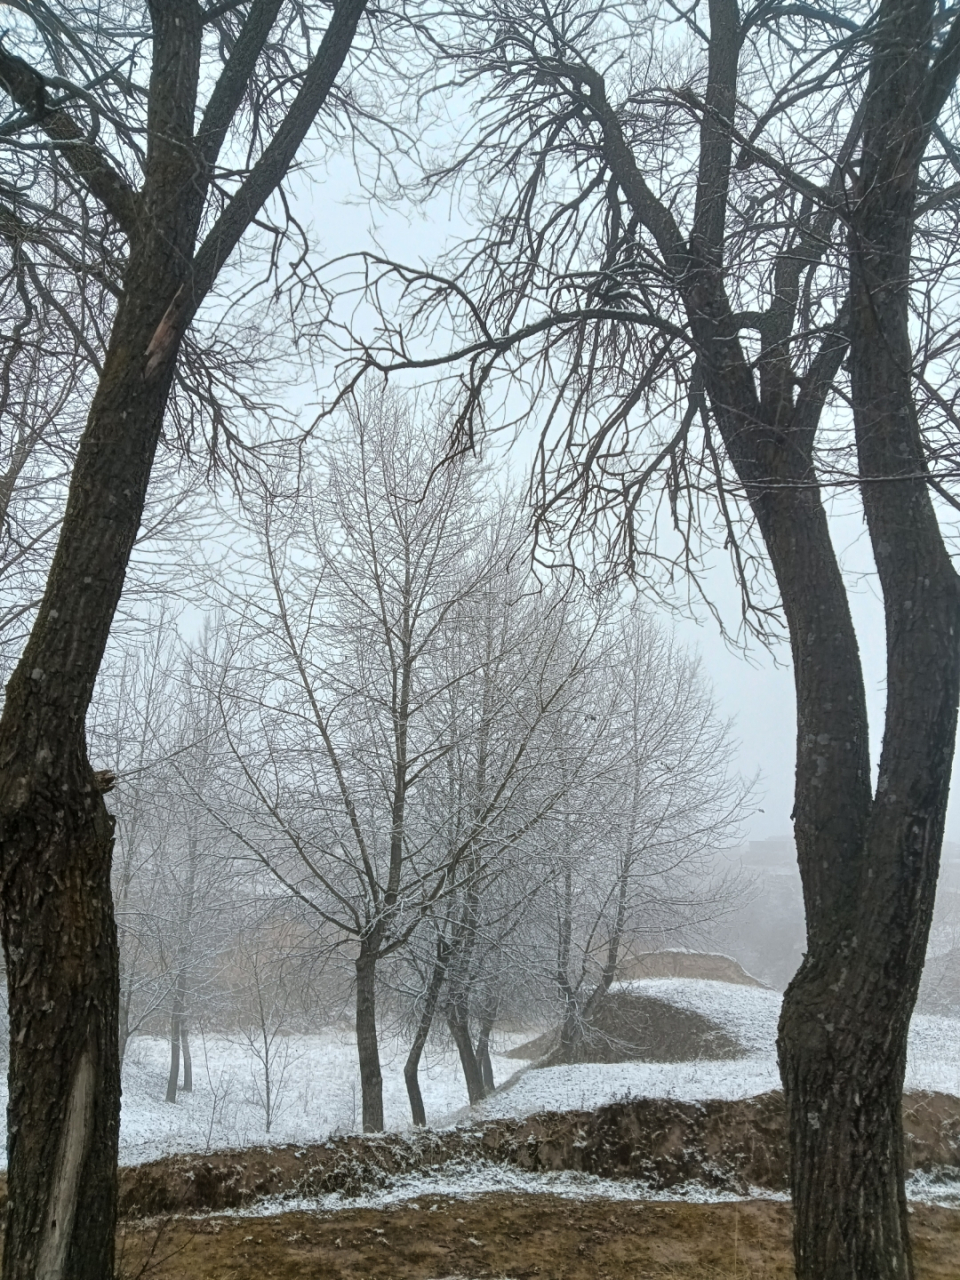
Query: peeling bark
[57, 1230]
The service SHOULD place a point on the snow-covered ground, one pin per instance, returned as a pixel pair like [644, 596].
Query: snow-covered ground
[749, 1014]
[464, 1181]
[317, 1091]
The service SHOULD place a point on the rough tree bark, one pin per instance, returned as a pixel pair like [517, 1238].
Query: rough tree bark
[868, 863]
[843, 1039]
[56, 836]
[368, 1049]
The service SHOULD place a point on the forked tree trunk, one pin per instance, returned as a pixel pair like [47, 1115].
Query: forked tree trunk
[368, 1050]
[843, 1037]
[412, 1065]
[868, 862]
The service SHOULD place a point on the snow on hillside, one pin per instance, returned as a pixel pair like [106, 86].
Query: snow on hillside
[316, 1093]
[319, 1088]
[749, 1014]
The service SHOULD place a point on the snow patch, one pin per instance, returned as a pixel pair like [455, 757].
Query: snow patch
[465, 1181]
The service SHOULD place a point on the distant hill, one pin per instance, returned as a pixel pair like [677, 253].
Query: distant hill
[687, 964]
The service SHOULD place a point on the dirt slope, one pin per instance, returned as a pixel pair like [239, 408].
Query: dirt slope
[631, 1026]
[725, 1145]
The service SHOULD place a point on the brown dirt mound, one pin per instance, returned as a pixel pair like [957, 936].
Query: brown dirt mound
[349, 1164]
[686, 964]
[725, 1145]
[629, 1026]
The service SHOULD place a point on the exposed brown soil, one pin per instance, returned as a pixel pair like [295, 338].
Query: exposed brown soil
[725, 1145]
[516, 1236]
[628, 1026]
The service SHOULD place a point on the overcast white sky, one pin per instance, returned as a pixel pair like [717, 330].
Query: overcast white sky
[756, 691]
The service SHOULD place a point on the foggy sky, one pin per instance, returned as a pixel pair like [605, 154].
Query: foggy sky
[756, 690]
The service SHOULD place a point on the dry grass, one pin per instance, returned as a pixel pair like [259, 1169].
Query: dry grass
[516, 1237]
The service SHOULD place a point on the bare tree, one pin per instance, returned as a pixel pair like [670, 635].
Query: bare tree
[262, 997]
[528, 658]
[338, 693]
[171, 126]
[705, 226]
[636, 846]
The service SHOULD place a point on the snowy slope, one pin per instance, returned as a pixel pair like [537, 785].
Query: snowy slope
[319, 1091]
[749, 1014]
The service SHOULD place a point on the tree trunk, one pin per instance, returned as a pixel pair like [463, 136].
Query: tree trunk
[173, 1075]
[177, 1036]
[412, 1064]
[187, 1085]
[64, 1107]
[843, 1081]
[458, 1023]
[56, 841]
[843, 1038]
[368, 1050]
[123, 1032]
[571, 1025]
[56, 913]
[488, 1016]
[267, 1074]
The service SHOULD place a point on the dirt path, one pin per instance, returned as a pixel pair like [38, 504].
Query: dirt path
[515, 1236]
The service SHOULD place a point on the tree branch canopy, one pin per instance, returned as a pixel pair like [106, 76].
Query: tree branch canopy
[27, 88]
[810, 291]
